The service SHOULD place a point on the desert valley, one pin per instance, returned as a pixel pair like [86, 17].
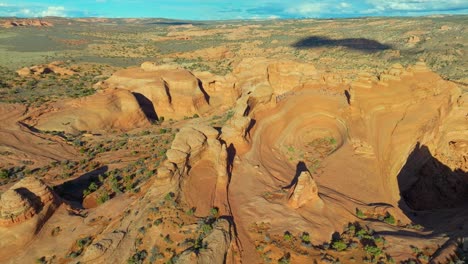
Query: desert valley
[240, 141]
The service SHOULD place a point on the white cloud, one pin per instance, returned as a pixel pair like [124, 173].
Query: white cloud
[32, 11]
[418, 5]
[344, 5]
[308, 9]
[58, 11]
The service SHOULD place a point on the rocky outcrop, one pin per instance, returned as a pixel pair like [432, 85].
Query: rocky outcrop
[26, 23]
[54, 67]
[102, 245]
[414, 40]
[110, 109]
[305, 191]
[186, 147]
[221, 89]
[15, 207]
[282, 76]
[198, 161]
[24, 200]
[218, 244]
[162, 90]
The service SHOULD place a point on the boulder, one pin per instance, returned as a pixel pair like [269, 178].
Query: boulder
[305, 191]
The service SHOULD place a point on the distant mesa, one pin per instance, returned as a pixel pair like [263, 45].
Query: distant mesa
[359, 44]
[25, 23]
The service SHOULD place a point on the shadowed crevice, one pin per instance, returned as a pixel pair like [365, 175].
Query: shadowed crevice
[146, 106]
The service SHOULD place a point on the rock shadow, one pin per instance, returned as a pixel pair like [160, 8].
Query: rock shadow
[300, 168]
[73, 190]
[202, 89]
[433, 196]
[32, 197]
[174, 23]
[146, 106]
[358, 44]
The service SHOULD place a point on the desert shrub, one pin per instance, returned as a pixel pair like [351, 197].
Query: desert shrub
[285, 259]
[103, 197]
[339, 245]
[158, 221]
[4, 174]
[389, 219]
[360, 214]
[83, 242]
[138, 257]
[287, 236]
[214, 212]
[206, 228]
[190, 211]
[169, 197]
[305, 237]
[168, 239]
[373, 250]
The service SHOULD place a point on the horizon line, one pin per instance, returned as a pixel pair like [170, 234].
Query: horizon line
[240, 19]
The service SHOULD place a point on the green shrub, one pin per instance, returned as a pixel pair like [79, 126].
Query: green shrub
[169, 197]
[285, 259]
[287, 236]
[214, 212]
[190, 211]
[339, 245]
[4, 174]
[305, 237]
[389, 219]
[138, 257]
[206, 228]
[104, 197]
[360, 214]
[373, 250]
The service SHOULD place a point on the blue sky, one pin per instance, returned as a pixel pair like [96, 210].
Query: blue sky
[224, 9]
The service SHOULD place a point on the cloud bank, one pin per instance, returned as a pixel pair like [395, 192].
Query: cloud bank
[224, 9]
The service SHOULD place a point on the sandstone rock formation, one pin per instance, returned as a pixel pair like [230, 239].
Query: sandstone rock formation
[15, 207]
[198, 160]
[414, 40]
[110, 109]
[107, 243]
[305, 191]
[24, 200]
[282, 76]
[221, 89]
[163, 91]
[395, 144]
[54, 67]
[218, 244]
